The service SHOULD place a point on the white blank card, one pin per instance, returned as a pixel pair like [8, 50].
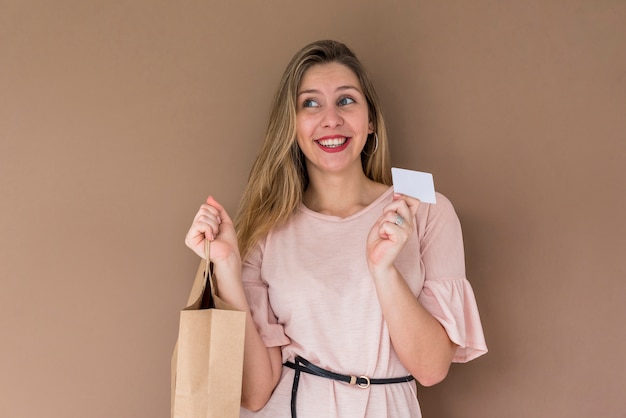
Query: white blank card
[414, 183]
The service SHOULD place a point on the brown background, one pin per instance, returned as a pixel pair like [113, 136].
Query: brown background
[117, 119]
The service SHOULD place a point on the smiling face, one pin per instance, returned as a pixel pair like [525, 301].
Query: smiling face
[332, 120]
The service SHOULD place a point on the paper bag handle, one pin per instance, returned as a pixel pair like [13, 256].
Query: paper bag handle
[207, 296]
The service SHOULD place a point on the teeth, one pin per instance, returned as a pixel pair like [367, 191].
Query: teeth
[332, 143]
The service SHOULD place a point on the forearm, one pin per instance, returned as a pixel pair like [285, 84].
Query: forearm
[421, 342]
[262, 365]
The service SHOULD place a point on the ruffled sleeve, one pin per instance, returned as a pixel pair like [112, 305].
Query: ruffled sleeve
[256, 289]
[453, 304]
[446, 293]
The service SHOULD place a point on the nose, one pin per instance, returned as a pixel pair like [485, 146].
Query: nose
[331, 117]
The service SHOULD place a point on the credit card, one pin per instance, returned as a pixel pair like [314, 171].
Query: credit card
[416, 184]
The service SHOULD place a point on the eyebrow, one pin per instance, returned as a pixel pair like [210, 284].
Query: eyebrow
[340, 88]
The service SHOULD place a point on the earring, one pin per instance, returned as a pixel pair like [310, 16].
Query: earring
[375, 146]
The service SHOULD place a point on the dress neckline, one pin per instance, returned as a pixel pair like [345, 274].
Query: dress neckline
[304, 209]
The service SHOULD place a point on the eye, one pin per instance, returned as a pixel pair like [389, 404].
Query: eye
[345, 101]
[310, 103]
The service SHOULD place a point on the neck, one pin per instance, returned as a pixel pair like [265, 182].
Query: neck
[340, 194]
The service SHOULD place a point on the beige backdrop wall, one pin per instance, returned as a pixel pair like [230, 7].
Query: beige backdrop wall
[118, 118]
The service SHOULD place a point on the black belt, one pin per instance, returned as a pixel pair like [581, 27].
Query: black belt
[303, 365]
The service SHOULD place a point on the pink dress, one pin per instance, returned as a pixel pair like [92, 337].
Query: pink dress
[311, 293]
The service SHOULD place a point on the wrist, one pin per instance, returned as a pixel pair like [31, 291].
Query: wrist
[383, 272]
[228, 266]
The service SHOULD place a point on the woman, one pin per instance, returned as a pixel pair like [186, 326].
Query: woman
[340, 277]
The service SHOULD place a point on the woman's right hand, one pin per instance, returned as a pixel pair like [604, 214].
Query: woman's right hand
[213, 223]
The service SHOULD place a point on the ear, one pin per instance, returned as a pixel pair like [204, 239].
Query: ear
[370, 127]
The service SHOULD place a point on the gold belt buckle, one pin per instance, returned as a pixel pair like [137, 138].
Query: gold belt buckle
[353, 381]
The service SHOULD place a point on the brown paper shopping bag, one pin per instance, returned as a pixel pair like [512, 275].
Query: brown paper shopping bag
[207, 363]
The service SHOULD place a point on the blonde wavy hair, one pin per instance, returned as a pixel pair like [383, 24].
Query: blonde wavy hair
[279, 177]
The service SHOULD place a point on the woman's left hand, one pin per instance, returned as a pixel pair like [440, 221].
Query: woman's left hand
[390, 232]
